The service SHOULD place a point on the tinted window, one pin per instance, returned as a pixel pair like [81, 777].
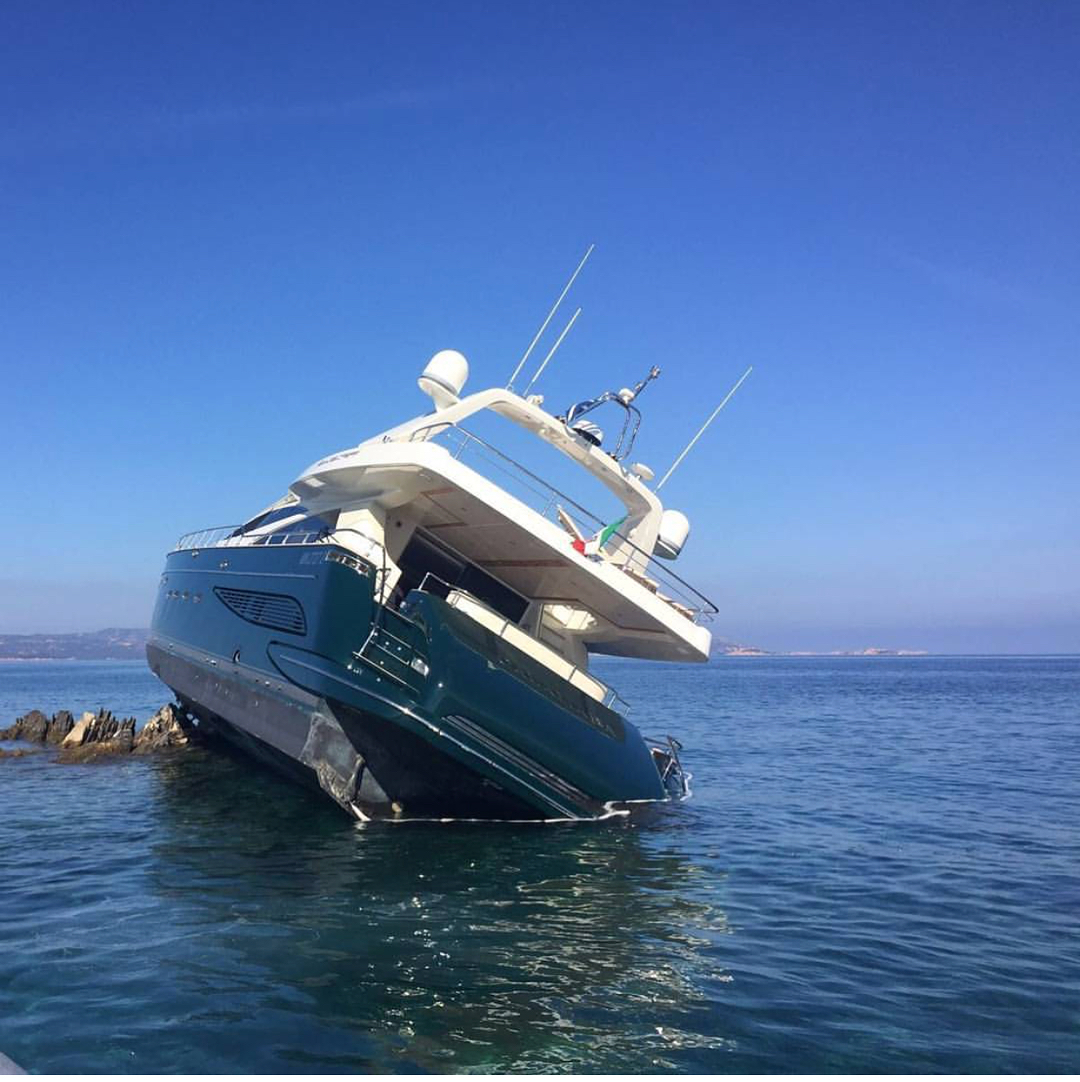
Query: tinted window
[308, 524]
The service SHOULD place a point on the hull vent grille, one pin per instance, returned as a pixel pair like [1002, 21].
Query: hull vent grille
[279, 611]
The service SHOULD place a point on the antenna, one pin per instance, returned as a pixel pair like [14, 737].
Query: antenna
[543, 326]
[701, 431]
[558, 342]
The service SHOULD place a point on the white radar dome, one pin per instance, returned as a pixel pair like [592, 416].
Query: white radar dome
[674, 530]
[443, 377]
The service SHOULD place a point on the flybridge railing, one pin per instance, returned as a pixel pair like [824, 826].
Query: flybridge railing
[543, 497]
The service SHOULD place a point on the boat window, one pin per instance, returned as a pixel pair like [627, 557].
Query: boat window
[294, 518]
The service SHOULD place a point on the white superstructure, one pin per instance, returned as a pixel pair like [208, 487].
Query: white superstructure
[422, 480]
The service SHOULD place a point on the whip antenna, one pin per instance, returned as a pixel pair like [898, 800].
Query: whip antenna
[701, 431]
[558, 342]
[543, 326]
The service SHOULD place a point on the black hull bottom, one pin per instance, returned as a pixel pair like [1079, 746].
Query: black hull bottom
[370, 766]
[423, 781]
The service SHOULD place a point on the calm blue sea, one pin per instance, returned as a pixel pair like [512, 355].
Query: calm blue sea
[879, 871]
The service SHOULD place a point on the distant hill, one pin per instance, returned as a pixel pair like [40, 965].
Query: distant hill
[868, 651]
[123, 643]
[722, 647]
[728, 648]
[111, 644]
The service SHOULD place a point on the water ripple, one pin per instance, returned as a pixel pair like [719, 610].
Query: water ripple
[879, 871]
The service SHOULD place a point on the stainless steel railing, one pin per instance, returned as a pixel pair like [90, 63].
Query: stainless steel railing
[548, 500]
[230, 537]
[439, 587]
[211, 537]
[543, 497]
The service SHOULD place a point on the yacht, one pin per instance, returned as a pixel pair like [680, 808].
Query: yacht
[410, 627]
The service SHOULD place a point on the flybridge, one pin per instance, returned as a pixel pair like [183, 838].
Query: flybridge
[661, 532]
[437, 479]
[444, 377]
[436, 476]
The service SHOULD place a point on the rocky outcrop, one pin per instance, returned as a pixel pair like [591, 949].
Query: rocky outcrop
[100, 735]
[76, 735]
[97, 735]
[37, 728]
[31, 727]
[59, 727]
[170, 727]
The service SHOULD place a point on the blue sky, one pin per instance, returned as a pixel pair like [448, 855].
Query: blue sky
[231, 235]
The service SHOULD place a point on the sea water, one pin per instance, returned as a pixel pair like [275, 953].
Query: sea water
[879, 870]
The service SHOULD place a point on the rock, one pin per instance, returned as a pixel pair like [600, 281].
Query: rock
[78, 731]
[125, 735]
[168, 728]
[100, 735]
[96, 737]
[61, 724]
[18, 753]
[100, 749]
[32, 727]
[102, 727]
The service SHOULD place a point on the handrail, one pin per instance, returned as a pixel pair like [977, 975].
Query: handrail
[549, 489]
[206, 538]
[610, 695]
[221, 536]
[696, 605]
[638, 564]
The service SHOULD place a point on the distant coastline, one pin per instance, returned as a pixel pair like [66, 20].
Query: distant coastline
[726, 648]
[129, 644]
[109, 644]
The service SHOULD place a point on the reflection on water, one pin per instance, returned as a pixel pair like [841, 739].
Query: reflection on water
[440, 946]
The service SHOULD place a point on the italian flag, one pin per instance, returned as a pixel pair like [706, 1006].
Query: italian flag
[594, 544]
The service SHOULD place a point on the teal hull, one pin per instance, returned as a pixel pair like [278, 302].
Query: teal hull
[417, 713]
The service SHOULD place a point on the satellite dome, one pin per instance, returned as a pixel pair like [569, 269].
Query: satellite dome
[443, 378]
[674, 530]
